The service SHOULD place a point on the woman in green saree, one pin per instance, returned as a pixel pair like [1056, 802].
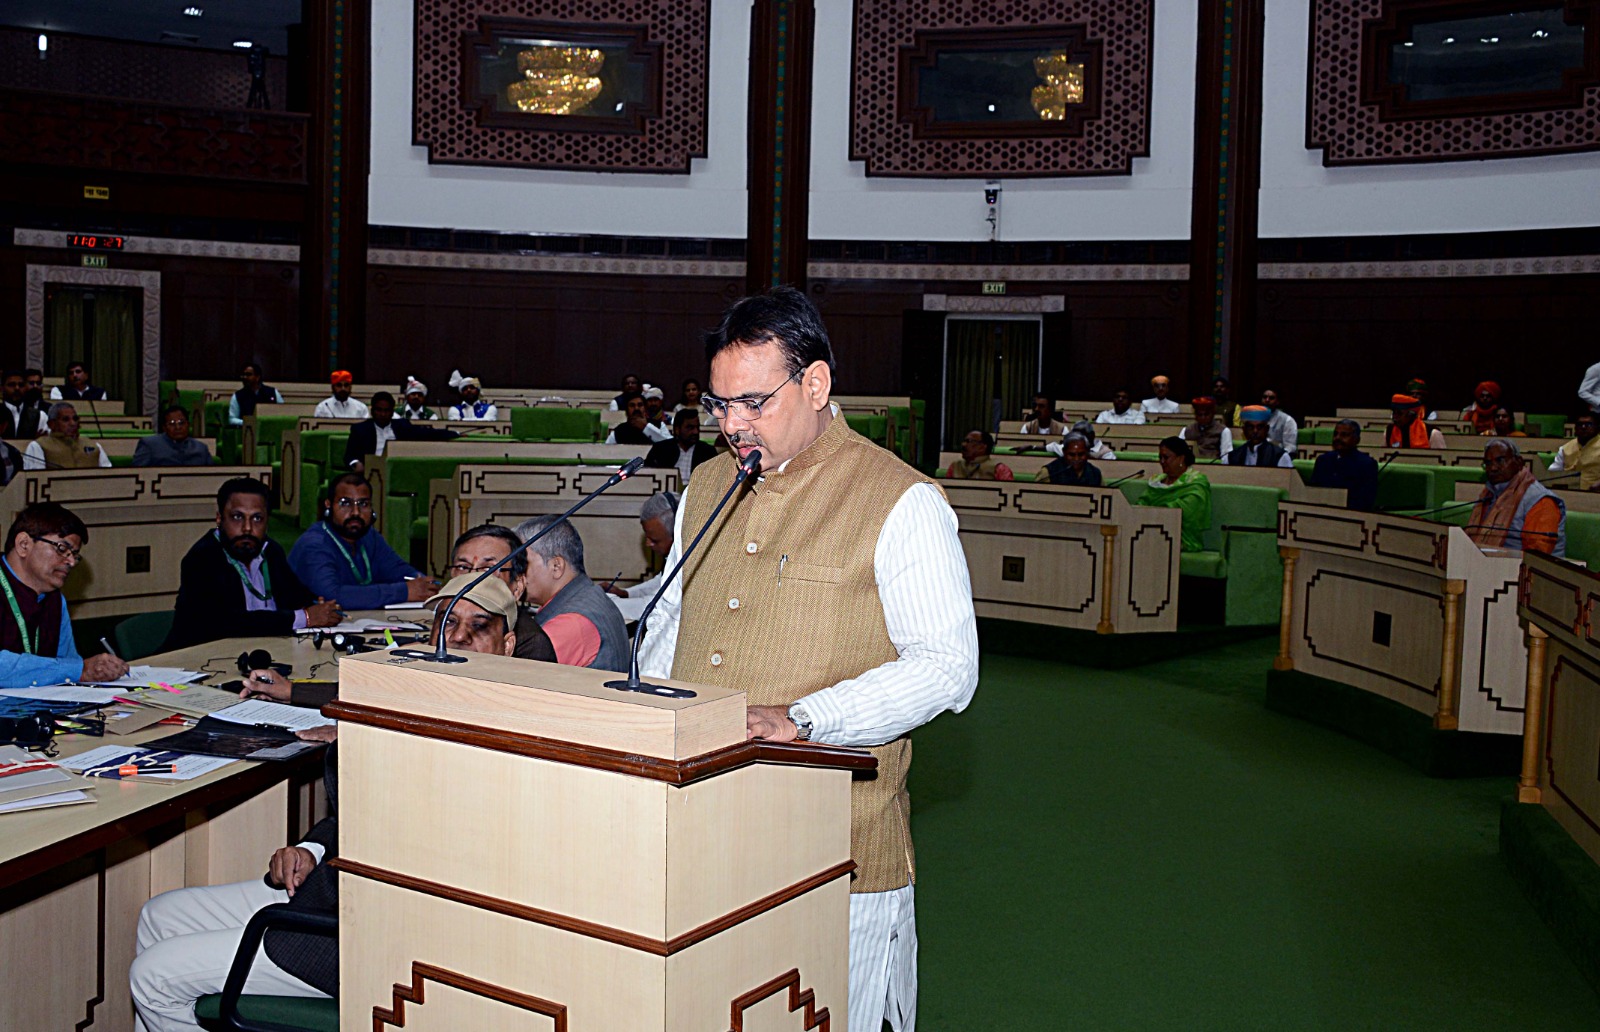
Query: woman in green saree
[1183, 488]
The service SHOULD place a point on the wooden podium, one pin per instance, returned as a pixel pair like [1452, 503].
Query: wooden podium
[524, 848]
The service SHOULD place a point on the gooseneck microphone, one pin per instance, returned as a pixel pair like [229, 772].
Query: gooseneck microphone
[1130, 476]
[440, 654]
[751, 463]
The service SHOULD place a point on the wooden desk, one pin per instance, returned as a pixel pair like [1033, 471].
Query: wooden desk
[1406, 609]
[507, 495]
[1379, 423]
[1113, 470]
[141, 522]
[1575, 501]
[377, 466]
[1459, 450]
[72, 879]
[1561, 750]
[120, 447]
[1084, 558]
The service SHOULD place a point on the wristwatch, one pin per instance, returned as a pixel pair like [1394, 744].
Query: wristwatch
[802, 722]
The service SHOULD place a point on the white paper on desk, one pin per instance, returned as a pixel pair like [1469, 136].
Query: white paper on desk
[64, 693]
[416, 606]
[630, 608]
[139, 676]
[366, 625]
[187, 765]
[41, 802]
[195, 700]
[253, 712]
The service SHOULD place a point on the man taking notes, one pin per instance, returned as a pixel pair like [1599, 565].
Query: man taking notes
[834, 591]
[36, 643]
[339, 558]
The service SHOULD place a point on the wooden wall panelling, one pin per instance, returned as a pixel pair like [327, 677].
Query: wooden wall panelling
[1325, 343]
[514, 327]
[781, 37]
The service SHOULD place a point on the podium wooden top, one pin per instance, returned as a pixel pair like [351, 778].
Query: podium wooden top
[496, 695]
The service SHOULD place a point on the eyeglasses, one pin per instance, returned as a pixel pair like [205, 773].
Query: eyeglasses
[747, 409]
[63, 549]
[353, 503]
[462, 569]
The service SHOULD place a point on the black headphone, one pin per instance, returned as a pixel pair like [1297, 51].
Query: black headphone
[260, 659]
[30, 732]
[349, 644]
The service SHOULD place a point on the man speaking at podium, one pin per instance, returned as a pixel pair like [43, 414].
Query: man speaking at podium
[834, 591]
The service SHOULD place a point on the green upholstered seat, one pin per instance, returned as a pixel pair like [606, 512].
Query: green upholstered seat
[555, 424]
[1404, 486]
[142, 635]
[295, 1012]
[1314, 435]
[1207, 564]
[1544, 424]
[873, 428]
[1583, 537]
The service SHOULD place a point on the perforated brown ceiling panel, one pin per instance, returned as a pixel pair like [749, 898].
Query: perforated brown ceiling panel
[449, 127]
[1105, 145]
[1345, 111]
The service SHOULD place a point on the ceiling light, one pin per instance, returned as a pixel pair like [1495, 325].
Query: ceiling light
[1540, 34]
[991, 109]
[193, 12]
[1408, 44]
[243, 44]
[44, 43]
[1447, 39]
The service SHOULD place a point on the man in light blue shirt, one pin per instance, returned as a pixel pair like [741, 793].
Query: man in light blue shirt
[36, 643]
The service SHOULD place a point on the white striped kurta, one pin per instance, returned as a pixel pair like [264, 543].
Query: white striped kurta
[921, 572]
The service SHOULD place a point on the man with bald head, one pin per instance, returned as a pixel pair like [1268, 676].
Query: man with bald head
[1515, 511]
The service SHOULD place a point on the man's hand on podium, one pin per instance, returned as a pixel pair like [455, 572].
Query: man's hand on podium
[289, 867]
[769, 723]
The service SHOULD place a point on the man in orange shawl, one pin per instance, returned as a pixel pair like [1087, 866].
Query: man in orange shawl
[1482, 412]
[1516, 511]
[1409, 430]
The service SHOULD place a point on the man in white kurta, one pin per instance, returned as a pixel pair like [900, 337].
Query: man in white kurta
[917, 565]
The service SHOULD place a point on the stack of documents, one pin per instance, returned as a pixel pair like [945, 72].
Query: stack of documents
[109, 762]
[30, 782]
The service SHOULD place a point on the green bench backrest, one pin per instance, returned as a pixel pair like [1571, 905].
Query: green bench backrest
[1583, 537]
[555, 424]
[1241, 505]
[873, 428]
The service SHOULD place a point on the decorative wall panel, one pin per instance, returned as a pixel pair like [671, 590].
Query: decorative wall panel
[452, 120]
[893, 134]
[1358, 115]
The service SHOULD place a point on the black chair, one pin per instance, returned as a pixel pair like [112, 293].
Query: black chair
[230, 1011]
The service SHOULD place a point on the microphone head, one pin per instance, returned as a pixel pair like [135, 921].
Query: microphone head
[633, 466]
[751, 463]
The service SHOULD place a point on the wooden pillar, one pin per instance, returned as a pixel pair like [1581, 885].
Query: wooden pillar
[1107, 579]
[777, 233]
[333, 248]
[1533, 720]
[1284, 660]
[1227, 176]
[1448, 714]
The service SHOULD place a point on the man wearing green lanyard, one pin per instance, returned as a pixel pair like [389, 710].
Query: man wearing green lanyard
[339, 558]
[36, 644]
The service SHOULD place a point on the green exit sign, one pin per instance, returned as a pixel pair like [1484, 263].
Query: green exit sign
[94, 261]
[994, 288]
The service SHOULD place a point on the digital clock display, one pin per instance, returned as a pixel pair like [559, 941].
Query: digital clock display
[92, 242]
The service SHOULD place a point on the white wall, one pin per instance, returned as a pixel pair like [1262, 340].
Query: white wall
[1151, 204]
[1300, 198]
[407, 191]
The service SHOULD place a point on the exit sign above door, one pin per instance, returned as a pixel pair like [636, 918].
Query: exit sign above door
[994, 287]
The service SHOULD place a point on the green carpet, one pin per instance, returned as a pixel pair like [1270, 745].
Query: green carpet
[1154, 849]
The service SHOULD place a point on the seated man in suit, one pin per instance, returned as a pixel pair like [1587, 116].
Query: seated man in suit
[340, 558]
[371, 436]
[479, 549]
[632, 430]
[583, 624]
[685, 451]
[1257, 450]
[1349, 467]
[1074, 468]
[77, 387]
[36, 643]
[235, 582]
[252, 392]
[20, 417]
[977, 462]
[187, 938]
[172, 446]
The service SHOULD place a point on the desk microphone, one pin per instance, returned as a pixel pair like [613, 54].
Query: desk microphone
[751, 463]
[1130, 476]
[1385, 464]
[440, 654]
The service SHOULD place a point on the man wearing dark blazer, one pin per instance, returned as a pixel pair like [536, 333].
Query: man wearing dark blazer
[22, 416]
[685, 451]
[369, 436]
[236, 583]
